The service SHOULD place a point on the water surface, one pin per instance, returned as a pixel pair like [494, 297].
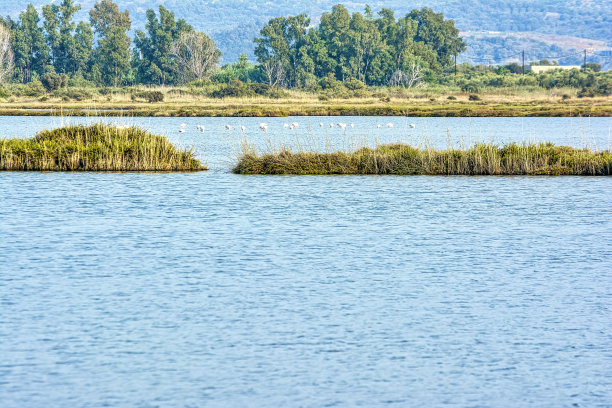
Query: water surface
[218, 290]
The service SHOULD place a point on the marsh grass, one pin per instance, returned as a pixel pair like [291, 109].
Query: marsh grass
[190, 102]
[402, 159]
[98, 147]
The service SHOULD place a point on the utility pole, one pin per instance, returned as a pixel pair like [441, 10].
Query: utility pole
[523, 62]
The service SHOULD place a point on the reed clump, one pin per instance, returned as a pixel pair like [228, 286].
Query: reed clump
[97, 147]
[400, 159]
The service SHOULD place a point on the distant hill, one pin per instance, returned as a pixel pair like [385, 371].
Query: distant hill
[496, 30]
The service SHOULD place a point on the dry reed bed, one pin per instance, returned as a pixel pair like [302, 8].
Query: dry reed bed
[97, 147]
[400, 159]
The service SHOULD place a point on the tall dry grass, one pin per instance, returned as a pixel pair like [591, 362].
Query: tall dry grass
[401, 159]
[97, 147]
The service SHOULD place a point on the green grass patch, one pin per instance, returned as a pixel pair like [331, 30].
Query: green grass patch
[97, 147]
[399, 159]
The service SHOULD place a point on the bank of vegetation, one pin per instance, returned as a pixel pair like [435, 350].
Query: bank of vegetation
[97, 147]
[400, 159]
[49, 57]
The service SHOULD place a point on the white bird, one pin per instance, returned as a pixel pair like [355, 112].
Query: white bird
[295, 125]
[342, 125]
[352, 126]
[390, 125]
[202, 128]
[228, 127]
[286, 126]
[321, 124]
[183, 125]
[263, 127]
[412, 125]
[243, 128]
[378, 126]
[331, 125]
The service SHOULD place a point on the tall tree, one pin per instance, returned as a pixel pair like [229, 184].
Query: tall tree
[6, 53]
[105, 15]
[29, 46]
[440, 34]
[82, 54]
[60, 29]
[277, 48]
[196, 54]
[367, 46]
[111, 26]
[335, 31]
[153, 57]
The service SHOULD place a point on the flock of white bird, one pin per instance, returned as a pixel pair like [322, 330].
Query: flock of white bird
[264, 126]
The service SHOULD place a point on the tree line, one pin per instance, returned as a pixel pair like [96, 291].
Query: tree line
[290, 52]
[338, 57]
[379, 50]
[168, 51]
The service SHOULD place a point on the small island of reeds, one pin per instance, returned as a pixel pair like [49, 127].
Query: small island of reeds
[400, 159]
[97, 147]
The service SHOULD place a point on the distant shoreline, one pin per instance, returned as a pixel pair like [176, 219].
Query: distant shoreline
[278, 109]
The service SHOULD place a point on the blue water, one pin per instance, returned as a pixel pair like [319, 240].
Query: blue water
[217, 290]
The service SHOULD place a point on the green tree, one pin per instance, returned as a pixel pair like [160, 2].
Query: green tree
[335, 32]
[277, 48]
[29, 45]
[153, 57]
[60, 31]
[82, 53]
[105, 15]
[367, 46]
[440, 34]
[112, 55]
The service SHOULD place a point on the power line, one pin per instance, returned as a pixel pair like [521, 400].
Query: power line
[524, 56]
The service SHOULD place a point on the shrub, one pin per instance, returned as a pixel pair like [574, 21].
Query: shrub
[330, 82]
[200, 83]
[470, 87]
[73, 94]
[4, 93]
[452, 98]
[149, 96]
[235, 89]
[51, 81]
[361, 93]
[354, 84]
[260, 89]
[276, 93]
[474, 97]
[78, 81]
[34, 88]
[586, 93]
[593, 66]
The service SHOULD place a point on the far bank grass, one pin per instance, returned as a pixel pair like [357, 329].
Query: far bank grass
[96, 147]
[185, 102]
[399, 159]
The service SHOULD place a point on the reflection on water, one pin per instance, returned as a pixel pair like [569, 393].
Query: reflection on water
[213, 289]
